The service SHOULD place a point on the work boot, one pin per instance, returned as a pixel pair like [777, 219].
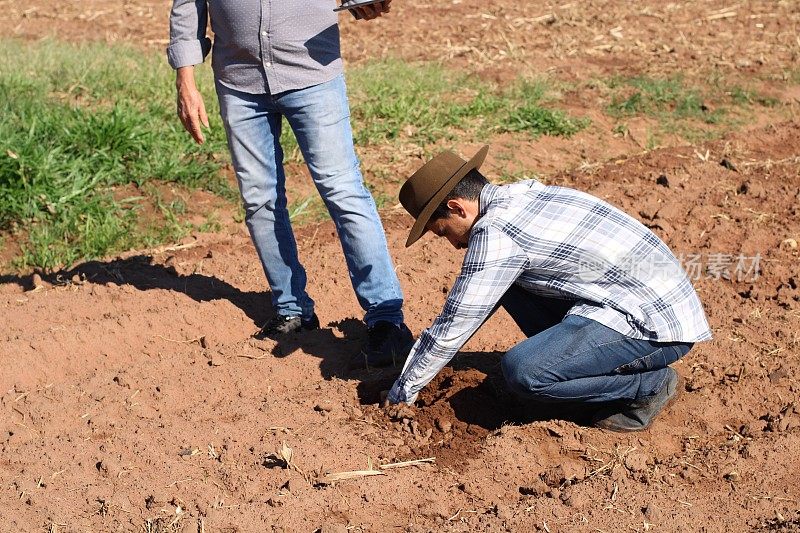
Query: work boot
[639, 414]
[283, 324]
[387, 344]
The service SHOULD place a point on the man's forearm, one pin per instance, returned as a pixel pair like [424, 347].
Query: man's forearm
[184, 78]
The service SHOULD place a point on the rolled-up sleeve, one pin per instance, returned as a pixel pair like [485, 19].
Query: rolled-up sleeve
[188, 43]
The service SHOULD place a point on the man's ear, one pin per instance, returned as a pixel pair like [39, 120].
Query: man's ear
[456, 206]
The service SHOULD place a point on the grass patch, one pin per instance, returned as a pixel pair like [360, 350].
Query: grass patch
[681, 108]
[661, 98]
[77, 122]
[89, 131]
[423, 103]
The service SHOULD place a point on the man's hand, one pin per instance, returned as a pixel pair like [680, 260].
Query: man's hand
[385, 398]
[191, 108]
[374, 11]
[400, 411]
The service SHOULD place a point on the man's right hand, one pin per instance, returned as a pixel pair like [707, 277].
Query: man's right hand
[374, 11]
[191, 108]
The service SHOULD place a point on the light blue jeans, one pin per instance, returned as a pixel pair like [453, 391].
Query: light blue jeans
[569, 358]
[320, 119]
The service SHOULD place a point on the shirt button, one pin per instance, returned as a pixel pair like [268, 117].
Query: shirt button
[263, 33]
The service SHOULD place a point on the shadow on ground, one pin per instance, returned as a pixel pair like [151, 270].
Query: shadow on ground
[337, 344]
[471, 390]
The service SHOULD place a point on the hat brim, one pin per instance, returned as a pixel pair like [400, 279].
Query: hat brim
[418, 230]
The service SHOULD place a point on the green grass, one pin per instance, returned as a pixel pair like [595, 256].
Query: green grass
[86, 130]
[661, 98]
[681, 108]
[424, 103]
[77, 123]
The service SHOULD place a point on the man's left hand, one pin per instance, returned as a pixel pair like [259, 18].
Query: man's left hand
[373, 11]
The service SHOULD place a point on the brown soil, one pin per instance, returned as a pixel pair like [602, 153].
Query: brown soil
[134, 399]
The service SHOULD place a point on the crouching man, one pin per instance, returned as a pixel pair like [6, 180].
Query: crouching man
[603, 302]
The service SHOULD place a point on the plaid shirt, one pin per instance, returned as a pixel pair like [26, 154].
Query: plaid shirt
[560, 243]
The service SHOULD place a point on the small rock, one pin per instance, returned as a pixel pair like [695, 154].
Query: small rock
[566, 496]
[444, 425]
[732, 476]
[471, 488]
[652, 513]
[778, 374]
[108, 468]
[553, 476]
[536, 488]
[291, 486]
[395, 441]
[400, 411]
[36, 281]
[97, 290]
[636, 462]
[150, 502]
[275, 502]
[323, 406]
[503, 511]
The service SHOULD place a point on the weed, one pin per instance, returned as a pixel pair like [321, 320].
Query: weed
[681, 108]
[76, 133]
[426, 103]
[73, 129]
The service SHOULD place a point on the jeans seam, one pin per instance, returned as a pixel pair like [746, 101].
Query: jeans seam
[660, 348]
[566, 356]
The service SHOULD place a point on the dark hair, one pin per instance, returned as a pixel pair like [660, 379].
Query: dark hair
[469, 188]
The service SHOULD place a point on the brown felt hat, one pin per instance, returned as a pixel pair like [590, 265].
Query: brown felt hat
[422, 193]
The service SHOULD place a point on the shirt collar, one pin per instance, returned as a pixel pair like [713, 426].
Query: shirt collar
[488, 193]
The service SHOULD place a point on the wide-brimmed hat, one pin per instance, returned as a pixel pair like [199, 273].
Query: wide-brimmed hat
[422, 193]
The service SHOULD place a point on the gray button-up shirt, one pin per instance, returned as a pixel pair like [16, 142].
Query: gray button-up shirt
[260, 46]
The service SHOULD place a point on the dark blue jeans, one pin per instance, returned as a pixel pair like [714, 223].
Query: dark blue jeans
[570, 358]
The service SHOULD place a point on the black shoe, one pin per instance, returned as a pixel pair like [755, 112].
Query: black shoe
[282, 324]
[639, 414]
[387, 344]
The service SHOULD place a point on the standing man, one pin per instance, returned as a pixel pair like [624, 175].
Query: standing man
[281, 58]
[604, 304]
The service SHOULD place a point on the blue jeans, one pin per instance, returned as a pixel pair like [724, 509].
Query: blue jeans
[320, 119]
[568, 358]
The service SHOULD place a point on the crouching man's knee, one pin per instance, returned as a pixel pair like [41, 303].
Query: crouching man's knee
[523, 376]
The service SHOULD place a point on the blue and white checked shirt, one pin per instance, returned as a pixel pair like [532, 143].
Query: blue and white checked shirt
[560, 243]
